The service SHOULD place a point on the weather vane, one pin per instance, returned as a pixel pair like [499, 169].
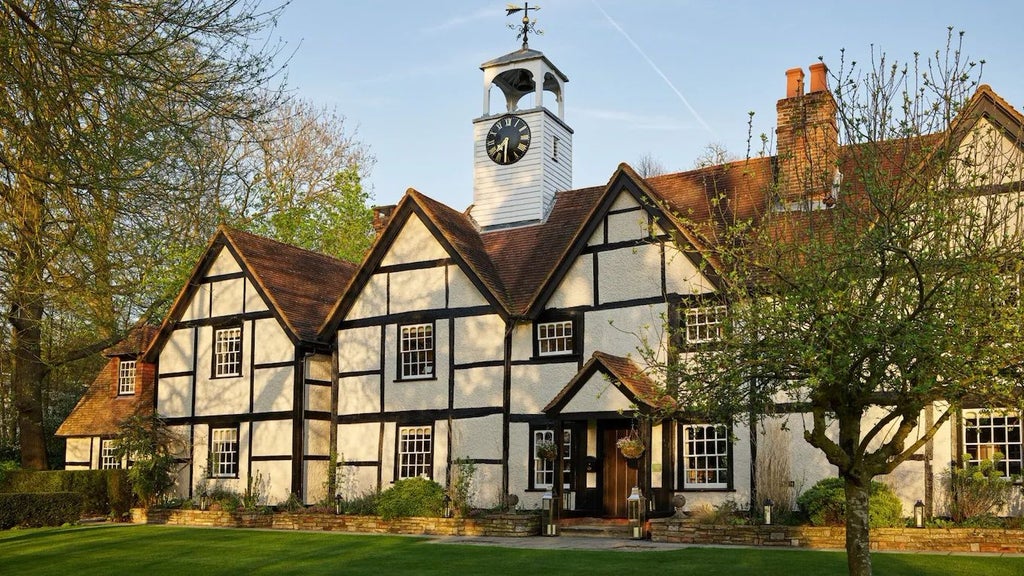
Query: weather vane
[527, 25]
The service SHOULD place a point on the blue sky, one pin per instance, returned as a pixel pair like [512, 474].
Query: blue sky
[658, 77]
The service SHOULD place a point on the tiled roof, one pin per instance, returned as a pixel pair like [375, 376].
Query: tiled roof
[525, 256]
[135, 343]
[100, 411]
[302, 285]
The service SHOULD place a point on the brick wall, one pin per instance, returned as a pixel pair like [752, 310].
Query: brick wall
[518, 525]
[920, 539]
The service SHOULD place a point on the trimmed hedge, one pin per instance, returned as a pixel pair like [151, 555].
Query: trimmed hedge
[35, 510]
[411, 497]
[104, 492]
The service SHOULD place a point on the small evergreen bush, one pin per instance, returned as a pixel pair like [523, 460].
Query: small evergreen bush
[38, 509]
[411, 497]
[825, 504]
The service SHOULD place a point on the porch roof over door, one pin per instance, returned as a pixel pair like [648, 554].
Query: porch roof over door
[609, 386]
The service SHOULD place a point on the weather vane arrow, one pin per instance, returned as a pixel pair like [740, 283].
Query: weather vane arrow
[527, 25]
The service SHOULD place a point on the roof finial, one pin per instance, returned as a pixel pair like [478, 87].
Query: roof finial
[527, 25]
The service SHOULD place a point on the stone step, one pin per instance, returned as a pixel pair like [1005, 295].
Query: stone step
[616, 530]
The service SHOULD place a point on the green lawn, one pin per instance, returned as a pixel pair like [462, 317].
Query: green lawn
[157, 550]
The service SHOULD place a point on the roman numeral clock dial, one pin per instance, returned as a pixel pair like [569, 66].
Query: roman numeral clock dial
[508, 140]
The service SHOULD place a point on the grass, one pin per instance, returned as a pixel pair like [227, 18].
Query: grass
[159, 550]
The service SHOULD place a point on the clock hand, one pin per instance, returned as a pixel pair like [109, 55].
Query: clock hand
[504, 149]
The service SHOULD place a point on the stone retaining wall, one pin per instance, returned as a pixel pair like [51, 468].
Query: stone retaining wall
[518, 525]
[921, 539]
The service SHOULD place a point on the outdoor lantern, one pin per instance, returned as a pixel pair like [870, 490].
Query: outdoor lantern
[768, 506]
[919, 514]
[337, 503]
[549, 514]
[636, 508]
[447, 511]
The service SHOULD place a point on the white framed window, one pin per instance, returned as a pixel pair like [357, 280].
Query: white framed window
[108, 456]
[704, 324]
[544, 470]
[705, 456]
[126, 377]
[415, 446]
[224, 452]
[227, 352]
[554, 338]
[988, 433]
[416, 351]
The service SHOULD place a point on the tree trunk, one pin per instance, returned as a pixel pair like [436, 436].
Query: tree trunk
[858, 536]
[27, 378]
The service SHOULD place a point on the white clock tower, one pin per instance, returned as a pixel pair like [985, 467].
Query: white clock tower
[522, 155]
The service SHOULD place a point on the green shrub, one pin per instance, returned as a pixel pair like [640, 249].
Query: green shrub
[825, 504]
[364, 504]
[976, 491]
[34, 510]
[105, 492]
[411, 497]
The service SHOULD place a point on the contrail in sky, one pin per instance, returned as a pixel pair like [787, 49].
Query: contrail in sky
[655, 67]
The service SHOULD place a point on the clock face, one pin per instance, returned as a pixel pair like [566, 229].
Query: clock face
[508, 140]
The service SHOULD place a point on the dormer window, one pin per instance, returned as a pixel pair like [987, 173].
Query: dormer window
[126, 377]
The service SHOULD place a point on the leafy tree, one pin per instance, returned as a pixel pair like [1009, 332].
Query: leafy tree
[104, 107]
[876, 317]
[153, 451]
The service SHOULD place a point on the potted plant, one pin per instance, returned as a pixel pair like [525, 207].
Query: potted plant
[546, 450]
[631, 446]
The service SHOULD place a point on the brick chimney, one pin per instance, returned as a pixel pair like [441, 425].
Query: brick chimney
[381, 217]
[808, 140]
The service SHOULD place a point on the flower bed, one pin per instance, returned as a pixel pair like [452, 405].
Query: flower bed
[494, 525]
[920, 539]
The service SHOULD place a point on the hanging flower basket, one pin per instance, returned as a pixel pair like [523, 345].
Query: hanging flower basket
[632, 447]
[546, 450]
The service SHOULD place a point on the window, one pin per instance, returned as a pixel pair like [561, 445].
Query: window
[705, 456]
[416, 351]
[986, 433]
[126, 377]
[554, 338]
[224, 452]
[108, 455]
[704, 324]
[544, 470]
[227, 355]
[414, 449]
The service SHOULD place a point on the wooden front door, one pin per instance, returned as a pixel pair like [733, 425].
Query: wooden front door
[617, 476]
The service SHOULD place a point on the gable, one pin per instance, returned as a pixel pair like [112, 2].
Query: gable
[225, 263]
[597, 394]
[627, 257]
[414, 243]
[990, 154]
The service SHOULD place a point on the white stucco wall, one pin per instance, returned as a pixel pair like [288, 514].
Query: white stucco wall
[272, 342]
[577, 287]
[533, 386]
[414, 243]
[318, 397]
[478, 438]
[479, 338]
[358, 442]
[359, 349]
[358, 394]
[223, 264]
[272, 438]
[174, 396]
[461, 291]
[477, 387]
[372, 300]
[228, 297]
[417, 290]
[598, 394]
[620, 331]
[629, 273]
[273, 389]
[176, 355]
[316, 440]
[78, 450]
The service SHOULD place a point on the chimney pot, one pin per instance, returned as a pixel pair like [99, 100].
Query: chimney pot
[819, 77]
[794, 82]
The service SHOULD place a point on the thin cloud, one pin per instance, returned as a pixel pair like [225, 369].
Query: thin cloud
[458, 21]
[655, 67]
[632, 120]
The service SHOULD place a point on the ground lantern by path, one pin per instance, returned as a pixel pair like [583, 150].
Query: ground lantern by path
[636, 510]
[549, 514]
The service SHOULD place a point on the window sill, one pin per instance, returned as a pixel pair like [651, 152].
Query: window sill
[425, 379]
[225, 376]
[705, 490]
